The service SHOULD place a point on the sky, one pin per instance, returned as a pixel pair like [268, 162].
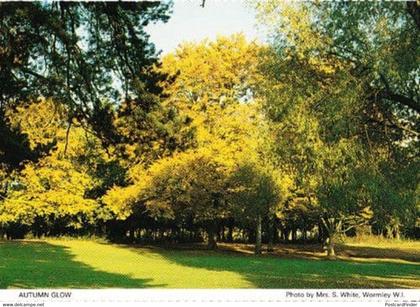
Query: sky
[191, 22]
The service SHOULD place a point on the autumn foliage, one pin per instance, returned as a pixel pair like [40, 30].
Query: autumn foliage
[310, 137]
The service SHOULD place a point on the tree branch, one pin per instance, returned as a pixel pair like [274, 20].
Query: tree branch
[401, 99]
[414, 10]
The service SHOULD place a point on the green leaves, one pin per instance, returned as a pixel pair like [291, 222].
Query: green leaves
[256, 190]
[338, 86]
[74, 52]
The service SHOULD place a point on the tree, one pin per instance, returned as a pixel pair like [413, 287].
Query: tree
[50, 197]
[211, 73]
[146, 136]
[392, 189]
[341, 76]
[255, 192]
[80, 55]
[57, 193]
[357, 66]
[205, 86]
[210, 80]
[344, 202]
[189, 186]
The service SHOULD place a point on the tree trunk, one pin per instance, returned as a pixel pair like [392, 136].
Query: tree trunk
[304, 235]
[321, 235]
[333, 227]
[294, 235]
[396, 231]
[211, 231]
[283, 234]
[222, 236]
[131, 235]
[271, 229]
[389, 234]
[330, 247]
[258, 236]
[230, 234]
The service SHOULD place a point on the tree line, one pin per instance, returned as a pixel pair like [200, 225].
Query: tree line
[309, 137]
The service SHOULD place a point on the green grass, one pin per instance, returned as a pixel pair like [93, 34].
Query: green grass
[88, 264]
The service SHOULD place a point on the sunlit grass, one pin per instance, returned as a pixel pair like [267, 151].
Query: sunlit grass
[381, 242]
[88, 264]
[146, 263]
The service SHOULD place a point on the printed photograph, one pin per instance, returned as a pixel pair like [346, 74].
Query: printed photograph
[212, 144]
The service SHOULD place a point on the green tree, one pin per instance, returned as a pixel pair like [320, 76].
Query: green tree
[344, 202]
[80, 55]
[393, 190]
[256, 192]
[342, 76]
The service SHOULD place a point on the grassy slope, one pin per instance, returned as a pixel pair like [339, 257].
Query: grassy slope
[88, 264]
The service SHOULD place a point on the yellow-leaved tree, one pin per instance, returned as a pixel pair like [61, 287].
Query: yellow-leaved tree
[54, 194]
[212, 86]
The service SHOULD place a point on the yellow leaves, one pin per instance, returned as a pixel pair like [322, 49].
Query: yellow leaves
[40, 121]
[212, 72]
[257, 188]
[212, 79]
[51, 173]
[46, 123]
[120, 200]
[51, 187]
[184, 181]
[366, 213]
[324, 66]
[213, 88]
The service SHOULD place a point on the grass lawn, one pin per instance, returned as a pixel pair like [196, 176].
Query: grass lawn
[89, 264]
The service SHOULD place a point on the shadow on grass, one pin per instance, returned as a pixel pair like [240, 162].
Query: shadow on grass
[42, 265]
[277, 272]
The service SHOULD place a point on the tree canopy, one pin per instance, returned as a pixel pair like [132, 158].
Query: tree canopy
[309, 137]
